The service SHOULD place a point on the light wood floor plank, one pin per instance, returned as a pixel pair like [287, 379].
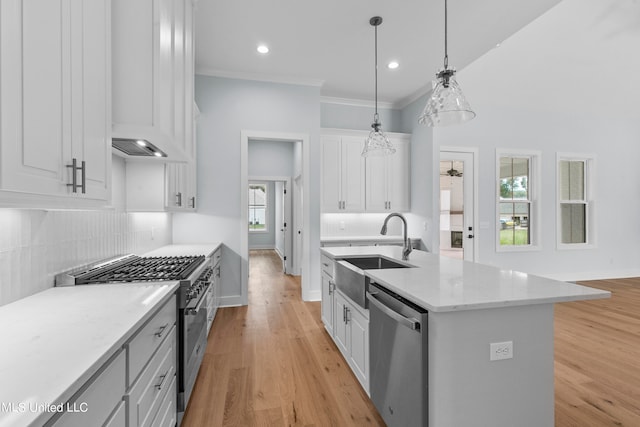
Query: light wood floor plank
[597, 358]
[273, 364]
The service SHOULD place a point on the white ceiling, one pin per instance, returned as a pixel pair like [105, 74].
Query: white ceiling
[331, 44]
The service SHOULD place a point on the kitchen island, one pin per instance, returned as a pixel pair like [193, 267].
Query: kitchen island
[471, 306]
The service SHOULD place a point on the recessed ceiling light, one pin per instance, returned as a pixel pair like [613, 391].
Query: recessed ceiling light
[263, 49]
[141, 143]
[393, 65]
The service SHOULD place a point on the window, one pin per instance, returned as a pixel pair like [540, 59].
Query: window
[258, 207]
[574, 204]
[516, 210]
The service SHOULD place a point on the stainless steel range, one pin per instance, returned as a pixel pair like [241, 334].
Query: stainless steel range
[195, 274]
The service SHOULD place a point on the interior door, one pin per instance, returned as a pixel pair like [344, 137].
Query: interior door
[286, 239]
[457, 201]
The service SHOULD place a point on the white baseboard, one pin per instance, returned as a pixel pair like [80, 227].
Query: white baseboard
[261, 247]
[279, 253]
[312, 295]
[593, 275]
[231, 301]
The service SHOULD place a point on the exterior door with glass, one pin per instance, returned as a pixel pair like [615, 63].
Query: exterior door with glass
[457, 202]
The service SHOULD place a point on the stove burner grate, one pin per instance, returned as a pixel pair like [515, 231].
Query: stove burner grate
[141, 269]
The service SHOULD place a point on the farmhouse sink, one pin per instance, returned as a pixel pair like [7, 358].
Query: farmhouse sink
[350, 278]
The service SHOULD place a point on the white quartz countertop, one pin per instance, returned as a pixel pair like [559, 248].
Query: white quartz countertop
[441, 284]
[206, 249]
[376, 238]
[54, 341]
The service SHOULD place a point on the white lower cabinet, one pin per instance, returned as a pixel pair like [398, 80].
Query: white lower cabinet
[137, 386]
[100, 397]
[351, 335]
[213, 296]
[145, 397]
[167, 414]
[328, 289]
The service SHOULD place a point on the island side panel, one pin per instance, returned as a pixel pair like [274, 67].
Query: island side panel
[466, 388]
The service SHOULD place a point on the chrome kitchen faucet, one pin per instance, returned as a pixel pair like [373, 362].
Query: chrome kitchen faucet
[406, 246]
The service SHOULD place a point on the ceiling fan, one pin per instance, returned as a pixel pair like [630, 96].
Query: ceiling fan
[452, 172]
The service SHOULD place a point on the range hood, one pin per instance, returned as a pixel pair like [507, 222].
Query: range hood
[137, 147]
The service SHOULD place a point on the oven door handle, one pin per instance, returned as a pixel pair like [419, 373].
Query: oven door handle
[196, 309]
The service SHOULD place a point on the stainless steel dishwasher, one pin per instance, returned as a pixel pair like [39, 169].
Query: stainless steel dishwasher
[398, 358]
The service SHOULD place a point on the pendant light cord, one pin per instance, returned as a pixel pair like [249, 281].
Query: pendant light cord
[446, 54]
[376, 119]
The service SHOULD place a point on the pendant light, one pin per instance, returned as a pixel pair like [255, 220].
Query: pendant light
[377, 143]
[447, 104]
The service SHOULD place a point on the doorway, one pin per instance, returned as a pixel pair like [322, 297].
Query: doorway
[457, 201]
[270, 218]
[300, 261]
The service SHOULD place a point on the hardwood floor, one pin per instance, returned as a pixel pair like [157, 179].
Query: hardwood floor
[597, 358]
[272, 363]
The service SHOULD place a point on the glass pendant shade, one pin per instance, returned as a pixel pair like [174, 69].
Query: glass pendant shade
[377, 143]
[447, 104]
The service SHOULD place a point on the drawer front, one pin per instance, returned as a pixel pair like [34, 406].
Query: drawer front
[147, 340]
[327, 265]
[96, 403]
[168, 411]
[148, 392]
[217, 256]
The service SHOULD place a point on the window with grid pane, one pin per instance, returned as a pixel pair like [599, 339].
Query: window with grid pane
[574, 208]
[258, 207]
[514, 201]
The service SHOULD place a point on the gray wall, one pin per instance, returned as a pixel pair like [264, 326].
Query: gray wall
[532, 108]
[271, 158]
[341, 116]
[227, 107]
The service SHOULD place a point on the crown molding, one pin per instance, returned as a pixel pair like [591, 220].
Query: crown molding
[356, 102]
[300, 81]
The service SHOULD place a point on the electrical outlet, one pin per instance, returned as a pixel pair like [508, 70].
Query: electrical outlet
[501, 350]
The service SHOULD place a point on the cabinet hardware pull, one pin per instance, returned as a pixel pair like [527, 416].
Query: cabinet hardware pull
[346, 317]
[74, 179]
[193, 202]
[161, 331]
[179, 199]
[83, 174]
[74, 176]
[162, 380]
[332, 286]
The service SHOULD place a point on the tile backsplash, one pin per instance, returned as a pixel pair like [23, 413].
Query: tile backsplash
[35, 245]
[357, 224]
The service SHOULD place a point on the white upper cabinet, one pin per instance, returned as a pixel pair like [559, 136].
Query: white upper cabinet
[55, 107]
[342, 174]
[352, 183]
[180, 187]
[153, 54]
[388, 179]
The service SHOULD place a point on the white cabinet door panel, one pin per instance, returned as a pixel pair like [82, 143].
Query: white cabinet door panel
[399, 177]
[377, 199]
[353, 175]
[55, 106]
[331, 174]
